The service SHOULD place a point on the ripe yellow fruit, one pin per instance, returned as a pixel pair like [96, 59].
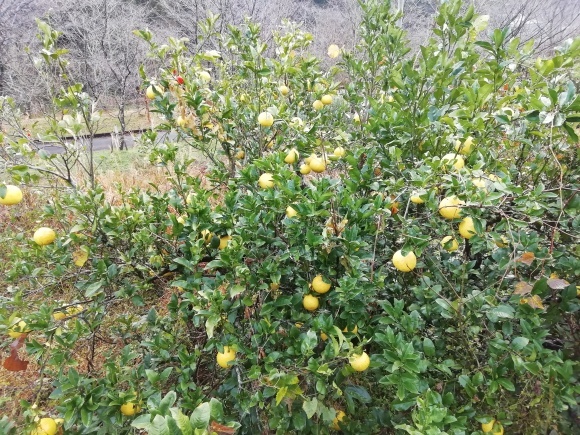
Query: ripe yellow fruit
[292, 156]
[416, 199]
[290, 212]
[240, 154]
[130, 409]
[153, 91]
[46, 426]
[44, 236]
[284, 90]
[317, 164]
[13, 195]
[339, 417]
[76, 309]
[310, 302]
[323, 336]
[229, 354]
[360, 362]
[224, 240]
[356, 118]
[265, 119]
[274, 286]
[318, 105]
[449, 244]
[454, 159]
[449, 207]
[478, 182]
[205, 76]
[181, 220]
[333, 51]
[326, 99]
[305, 169]
[319, 285]
[466, 228]
[266, 180]
[404, 263]
[494, 426]
[339, 152]
[464, 149]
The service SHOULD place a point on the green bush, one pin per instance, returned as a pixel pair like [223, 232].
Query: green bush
[485, 332]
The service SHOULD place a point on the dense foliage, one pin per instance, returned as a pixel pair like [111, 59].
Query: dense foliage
[167, 278]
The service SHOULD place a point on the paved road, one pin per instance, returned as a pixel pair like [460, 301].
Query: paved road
[100, 143]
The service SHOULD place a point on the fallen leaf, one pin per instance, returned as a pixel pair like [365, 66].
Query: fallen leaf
[522, 288]
[13, 363]
[557, 284]
[220, 429]
[527, 258]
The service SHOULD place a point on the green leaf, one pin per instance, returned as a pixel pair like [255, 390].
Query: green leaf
[506, 383]
[358, 393]
[281, 394]
[310, 406]
[216, 409]
[428, 347]
[201, 416]
[298, 420]
[182, 421]
[519, 343]
[210, 324]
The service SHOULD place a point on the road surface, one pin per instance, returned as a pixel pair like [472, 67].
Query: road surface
[100, 143]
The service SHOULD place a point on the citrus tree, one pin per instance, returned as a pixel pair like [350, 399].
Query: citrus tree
[389, 245]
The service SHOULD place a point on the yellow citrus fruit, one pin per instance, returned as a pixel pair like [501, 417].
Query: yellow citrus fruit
[339, 417]
[449, 244]
[317, 164]
[205, 76]
[224, 358]
[356, 118]
[305, 169]
[240, 154]
[493, 177]
[310, 302]
[274, 286]
[44, 236]
[46, 426]
[292, 156]
[454, 159]
[290, 212]
[181, 220]
[323, 336]
[449, 207]
[326, 99]
[464, 149]
[266, 180]
[404, 263]
[339, 152]
[488, 427]
[76, 309]
[360, 362]
[224, 240]
[416, 199]
[318, 105]
[319, 285]
[466, 228]
[130, 408]
[284, 90]
[13, 195]
[265, 119]
[153, 90]
[333, 51]
[478, 182]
